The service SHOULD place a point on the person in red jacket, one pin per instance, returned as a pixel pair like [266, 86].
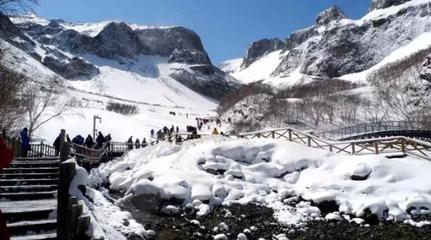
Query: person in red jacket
[6, 156]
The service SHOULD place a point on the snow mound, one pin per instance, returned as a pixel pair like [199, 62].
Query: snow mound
[209, 172]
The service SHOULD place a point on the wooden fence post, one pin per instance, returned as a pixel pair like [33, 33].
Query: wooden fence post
[67, 173]
[353, 149]
[309, 141]
[290, 135]
[376, 145]
[64, 151]
[273, 134]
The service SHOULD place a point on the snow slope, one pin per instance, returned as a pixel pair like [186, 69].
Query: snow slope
[273, 172]
[144, 83]
[422, 42]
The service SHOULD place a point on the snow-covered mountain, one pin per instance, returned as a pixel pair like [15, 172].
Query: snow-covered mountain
[157, 69]
[336, 46]
[112, 51]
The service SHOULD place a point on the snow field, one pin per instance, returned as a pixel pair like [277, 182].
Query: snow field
[216, 171]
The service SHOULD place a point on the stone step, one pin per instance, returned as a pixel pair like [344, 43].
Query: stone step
[19, 182]
[28, 175]
[28, 215]
[34, 164]
[20, 196]
[42, 236]
[22, 228]
[31, 170]
[36, 159]
[28, 188]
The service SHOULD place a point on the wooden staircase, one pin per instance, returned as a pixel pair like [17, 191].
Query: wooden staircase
[28, 198]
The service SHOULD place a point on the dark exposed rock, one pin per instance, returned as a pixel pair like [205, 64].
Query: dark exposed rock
[425, 72]
[115, 41]
[378, 4]
[260, 48]
[333, 13]
[73, 69]
[9, 32]
[164, 41]
[206, 80]
[189, 56]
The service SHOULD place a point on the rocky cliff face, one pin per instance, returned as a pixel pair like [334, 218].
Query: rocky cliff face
[260, 48]
[379, 4]
[63, 47]
[425, 72]
[336, 46]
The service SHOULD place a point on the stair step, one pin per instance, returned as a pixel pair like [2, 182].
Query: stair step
[43, 236]
[33, 164]
[15, 182]
[28, 188]
[37, 226]
[32, 170]
[28, 206]
[28, 175]
[27, 195]
[28, 215]
[36, 159]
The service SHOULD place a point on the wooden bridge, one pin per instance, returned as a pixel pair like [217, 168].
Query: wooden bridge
[397, 145]
[411, 129]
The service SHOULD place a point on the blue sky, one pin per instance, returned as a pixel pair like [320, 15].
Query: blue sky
[226, 27]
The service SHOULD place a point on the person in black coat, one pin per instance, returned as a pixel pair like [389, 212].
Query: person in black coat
[89, 142]
[100, 140]
[137, 143]
[130, 143]
[59, 140]
[78, 140]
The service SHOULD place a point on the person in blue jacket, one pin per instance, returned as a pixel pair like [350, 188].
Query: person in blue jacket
[25, 142]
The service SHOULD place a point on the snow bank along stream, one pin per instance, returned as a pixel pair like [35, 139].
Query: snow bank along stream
[210, 172]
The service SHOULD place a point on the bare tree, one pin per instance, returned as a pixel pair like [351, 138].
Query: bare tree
[42, 103]
[11, 110]
[399, 86]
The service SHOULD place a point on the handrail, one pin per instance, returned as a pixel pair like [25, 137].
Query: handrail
[367, 128]
[398, 144]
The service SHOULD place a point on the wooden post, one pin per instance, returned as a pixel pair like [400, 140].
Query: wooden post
[353, 149]
[67, 173]
[309, 141]
[273, 134]
[83, 225]
[64, 151]
[403, 145]
[376, 145]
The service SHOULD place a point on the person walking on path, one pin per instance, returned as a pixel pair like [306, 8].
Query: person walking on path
[137, 143]
[89, 142]
[58, 141]
[144, 143]
[152, 133]
[100, 140]
[215, 132]
[130, 143]
[25, 142]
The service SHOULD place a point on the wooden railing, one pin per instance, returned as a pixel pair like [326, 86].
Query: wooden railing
[400, 145]
[366, 128]
[72, 224]
[37, 149]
